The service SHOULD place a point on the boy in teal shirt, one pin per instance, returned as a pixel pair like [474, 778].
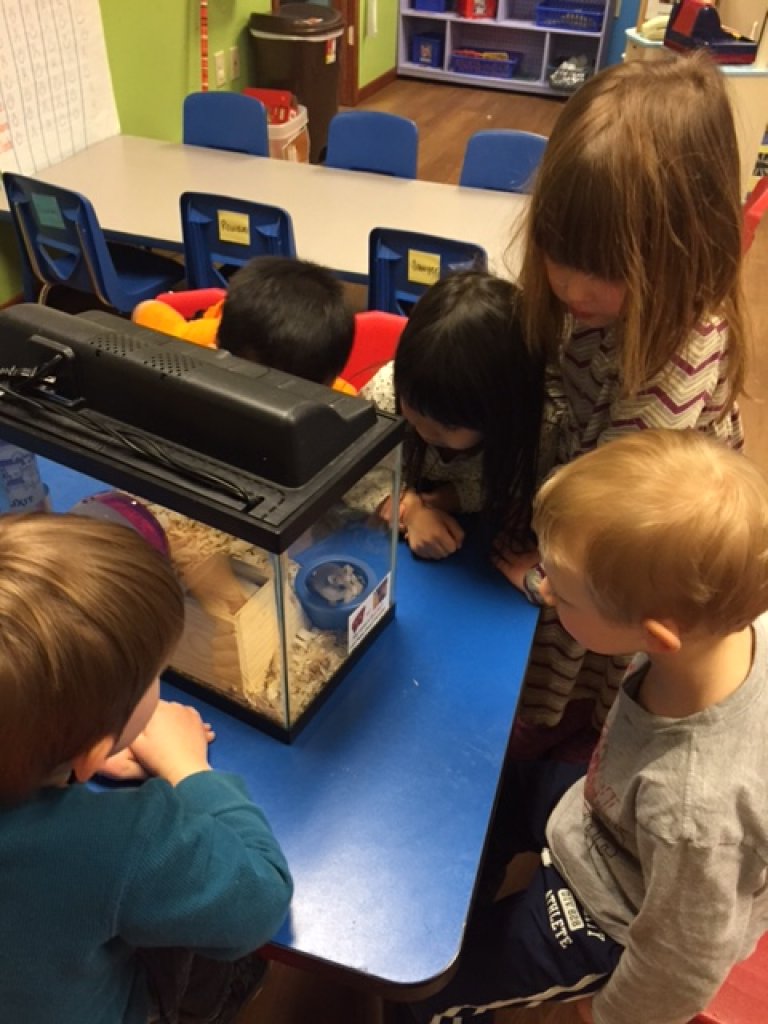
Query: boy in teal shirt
[94, 882]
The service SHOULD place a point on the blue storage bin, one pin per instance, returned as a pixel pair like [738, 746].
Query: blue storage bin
[427, 49]
[474, 62]
[436, 6]
[576, 17]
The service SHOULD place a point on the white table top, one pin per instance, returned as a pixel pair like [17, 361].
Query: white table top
[135, 183]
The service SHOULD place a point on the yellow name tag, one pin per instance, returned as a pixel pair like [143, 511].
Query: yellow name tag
[234, 227]
[423, 267]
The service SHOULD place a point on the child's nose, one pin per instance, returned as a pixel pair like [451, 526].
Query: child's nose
[575, 289]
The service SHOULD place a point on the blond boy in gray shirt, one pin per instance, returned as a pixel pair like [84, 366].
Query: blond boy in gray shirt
[654, 867]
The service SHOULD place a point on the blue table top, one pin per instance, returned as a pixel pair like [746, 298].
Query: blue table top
[383, 801]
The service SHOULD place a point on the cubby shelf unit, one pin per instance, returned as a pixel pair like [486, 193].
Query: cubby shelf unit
[512, 30]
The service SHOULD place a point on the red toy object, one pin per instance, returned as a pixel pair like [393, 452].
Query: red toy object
[192, 302]
[695, 25]
[754, 210]
[743, 998]
[280, 103]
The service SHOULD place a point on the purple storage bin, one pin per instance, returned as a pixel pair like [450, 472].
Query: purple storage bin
[427, 49]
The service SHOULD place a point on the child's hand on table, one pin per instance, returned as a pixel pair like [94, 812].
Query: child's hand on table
[430, 532]
[173, 746]
[515, 566]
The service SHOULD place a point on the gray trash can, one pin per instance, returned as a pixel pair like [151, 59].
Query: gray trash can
[298, 49]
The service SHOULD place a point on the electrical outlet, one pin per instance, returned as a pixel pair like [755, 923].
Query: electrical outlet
[234, 63]
[221, 68]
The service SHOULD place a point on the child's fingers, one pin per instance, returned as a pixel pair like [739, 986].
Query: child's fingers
[454, 530]
[123, 767]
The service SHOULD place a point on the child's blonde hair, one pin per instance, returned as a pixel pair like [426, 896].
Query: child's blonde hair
[639, 184]
[662, 524]
[89, 613]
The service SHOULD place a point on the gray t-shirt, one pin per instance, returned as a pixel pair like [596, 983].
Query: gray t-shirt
[666, 844]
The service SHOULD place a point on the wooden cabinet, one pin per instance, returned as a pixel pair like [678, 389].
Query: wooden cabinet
[516, 48]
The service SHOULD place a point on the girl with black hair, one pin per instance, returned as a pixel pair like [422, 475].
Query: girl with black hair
[472, 393]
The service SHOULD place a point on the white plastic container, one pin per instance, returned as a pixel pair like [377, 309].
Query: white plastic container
[290, 140]
[21, 479]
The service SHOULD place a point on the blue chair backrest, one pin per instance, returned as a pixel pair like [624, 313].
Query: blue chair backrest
[61, 240]
[502, 160]
[370, 140]
[403, 264]
[221, 234]
[226, 120]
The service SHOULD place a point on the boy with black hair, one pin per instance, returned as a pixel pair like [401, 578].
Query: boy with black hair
[287, 314]
[290, 315]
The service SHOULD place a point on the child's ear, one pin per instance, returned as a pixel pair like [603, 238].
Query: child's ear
[662, 636]
[85, 765]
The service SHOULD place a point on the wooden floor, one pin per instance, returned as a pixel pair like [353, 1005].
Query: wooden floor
[447, 116]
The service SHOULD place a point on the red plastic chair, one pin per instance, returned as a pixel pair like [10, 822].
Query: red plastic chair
[375, 343]
[193, 301]
[743, 998]
[754, 208]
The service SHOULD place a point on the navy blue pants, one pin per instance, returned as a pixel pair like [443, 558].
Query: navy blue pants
[535, 946]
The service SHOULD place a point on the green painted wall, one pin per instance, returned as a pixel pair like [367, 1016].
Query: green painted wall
[154, 55]
[378, 53]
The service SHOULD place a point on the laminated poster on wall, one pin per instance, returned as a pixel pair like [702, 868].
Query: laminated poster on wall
[56, 93]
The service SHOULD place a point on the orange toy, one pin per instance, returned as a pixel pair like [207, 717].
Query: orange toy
[161, 317]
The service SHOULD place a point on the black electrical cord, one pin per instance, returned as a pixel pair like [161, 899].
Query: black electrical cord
[83, 420]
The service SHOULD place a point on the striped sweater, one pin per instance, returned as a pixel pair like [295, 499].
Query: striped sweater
[689, 393]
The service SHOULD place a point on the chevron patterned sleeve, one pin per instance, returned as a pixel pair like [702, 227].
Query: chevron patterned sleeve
[691, 392]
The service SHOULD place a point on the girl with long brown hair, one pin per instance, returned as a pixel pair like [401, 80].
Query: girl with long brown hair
[631, 283]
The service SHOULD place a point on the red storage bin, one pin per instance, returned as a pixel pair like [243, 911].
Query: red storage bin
[476, 8]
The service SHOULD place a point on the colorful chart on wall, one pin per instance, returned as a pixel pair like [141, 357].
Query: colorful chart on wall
[56, 93]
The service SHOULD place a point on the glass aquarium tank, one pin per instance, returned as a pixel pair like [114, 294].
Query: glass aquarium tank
[260, 487]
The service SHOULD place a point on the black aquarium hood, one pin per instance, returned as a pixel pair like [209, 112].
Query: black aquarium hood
[243, 448]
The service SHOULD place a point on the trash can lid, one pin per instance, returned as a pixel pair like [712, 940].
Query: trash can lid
[298, 20]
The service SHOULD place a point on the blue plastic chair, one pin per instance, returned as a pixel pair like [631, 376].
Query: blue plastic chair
[221, 234]
[403, 264]
[370, 140]
[226, 120]
[502, 160]
[62, 243]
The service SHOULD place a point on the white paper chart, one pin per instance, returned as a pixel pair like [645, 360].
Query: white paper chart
[56, 93]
